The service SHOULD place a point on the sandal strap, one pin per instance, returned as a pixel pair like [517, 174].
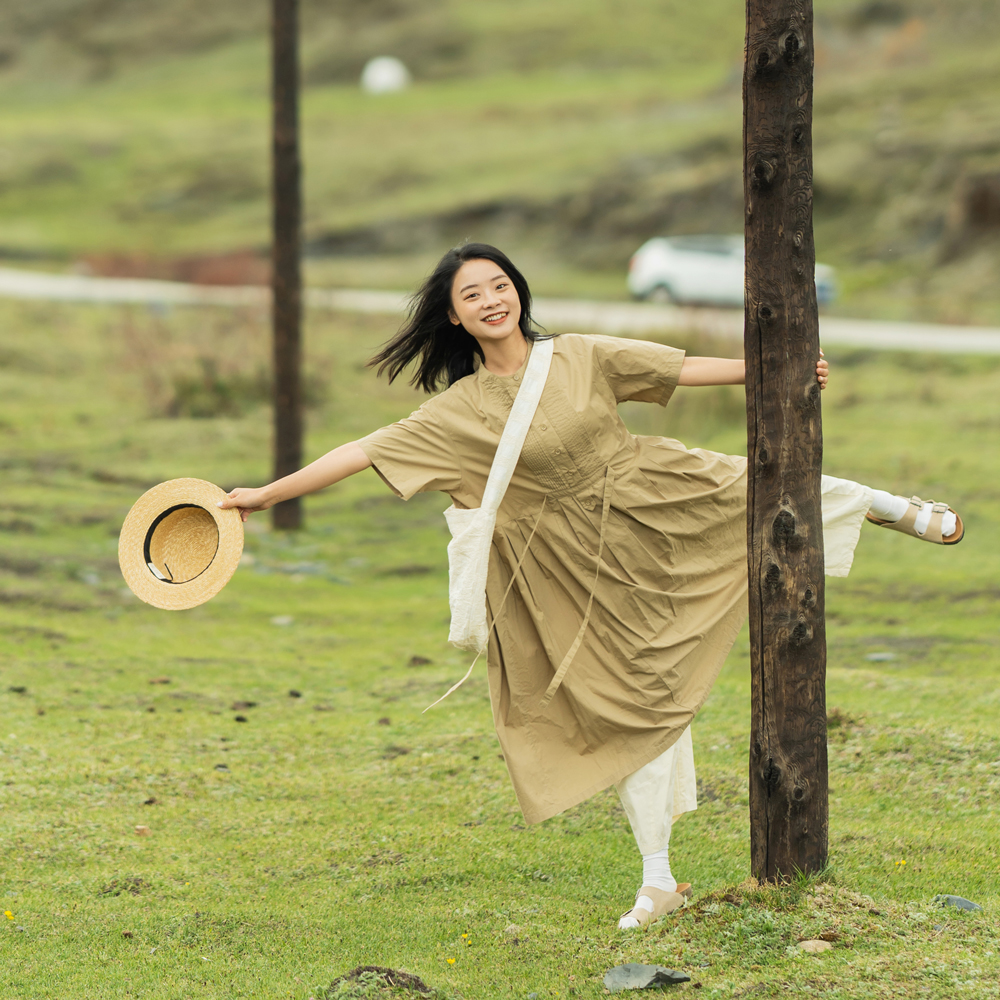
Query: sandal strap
[936, 523]
[934, 532]
[907, 523]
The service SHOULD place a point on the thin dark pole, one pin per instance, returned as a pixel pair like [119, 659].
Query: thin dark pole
[788, 756]
[286, 280]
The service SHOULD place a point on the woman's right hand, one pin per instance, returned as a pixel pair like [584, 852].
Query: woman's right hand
[331, 468]
[247, 501]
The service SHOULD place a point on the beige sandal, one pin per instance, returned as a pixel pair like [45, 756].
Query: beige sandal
[907, 522]
[663, 903]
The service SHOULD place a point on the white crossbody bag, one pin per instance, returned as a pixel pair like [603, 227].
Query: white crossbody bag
[472, 529]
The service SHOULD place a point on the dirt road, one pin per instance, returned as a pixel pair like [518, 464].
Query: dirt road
[620, 318]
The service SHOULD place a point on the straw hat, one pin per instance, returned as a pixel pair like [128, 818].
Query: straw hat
[177, 549]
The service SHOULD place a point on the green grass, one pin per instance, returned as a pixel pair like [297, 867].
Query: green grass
[345, 828]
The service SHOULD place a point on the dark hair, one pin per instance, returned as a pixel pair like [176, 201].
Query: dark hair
[446, 350]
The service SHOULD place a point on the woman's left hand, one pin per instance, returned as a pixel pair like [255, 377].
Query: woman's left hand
[822, 371]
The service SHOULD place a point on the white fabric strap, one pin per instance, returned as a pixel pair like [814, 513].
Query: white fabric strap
[518, 422]
[472, 528]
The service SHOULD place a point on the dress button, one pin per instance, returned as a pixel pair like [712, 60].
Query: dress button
[543, 428]
[517, 378]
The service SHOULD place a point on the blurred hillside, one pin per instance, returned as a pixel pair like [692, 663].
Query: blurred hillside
[569, 130]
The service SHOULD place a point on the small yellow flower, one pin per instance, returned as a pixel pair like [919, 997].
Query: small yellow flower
[465, 935]
[8, 914]
[451, 961]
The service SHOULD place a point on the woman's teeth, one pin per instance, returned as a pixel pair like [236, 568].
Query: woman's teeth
[494, 317]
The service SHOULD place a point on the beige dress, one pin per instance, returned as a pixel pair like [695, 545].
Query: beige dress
[648, 534]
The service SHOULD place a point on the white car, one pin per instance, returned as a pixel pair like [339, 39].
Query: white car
[700, 270]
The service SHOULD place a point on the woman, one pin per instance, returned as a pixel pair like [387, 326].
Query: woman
[630, 549]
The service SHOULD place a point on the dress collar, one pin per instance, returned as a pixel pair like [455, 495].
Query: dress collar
[486, 375]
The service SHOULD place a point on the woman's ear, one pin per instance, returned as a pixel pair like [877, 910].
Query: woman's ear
[455, 321]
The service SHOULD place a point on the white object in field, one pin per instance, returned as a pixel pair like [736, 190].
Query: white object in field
[700, 270]
[384, 75]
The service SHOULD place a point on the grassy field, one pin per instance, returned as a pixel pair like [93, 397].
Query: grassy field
[155, 845]
[579, 129]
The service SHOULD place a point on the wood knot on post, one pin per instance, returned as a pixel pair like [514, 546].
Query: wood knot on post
[808, 599]
[799, 794]
[763, 173]
[783, 527]
[790, 45]
[801, 635]
[772, 578]
[772, 775]
[762, 456]
[764, 60]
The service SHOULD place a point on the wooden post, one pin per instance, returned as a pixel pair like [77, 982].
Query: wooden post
[286, 279]
[788, 762]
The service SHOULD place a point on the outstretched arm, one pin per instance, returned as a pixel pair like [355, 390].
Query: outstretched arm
[331, 468]
[712, 371]
[729, 371]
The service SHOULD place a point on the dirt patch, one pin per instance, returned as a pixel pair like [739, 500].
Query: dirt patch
[380, 858]
[840, 725]
[22, 597]
[411, 570]
[30, 632]
[370, 977]
[20, 567]
[18, 526]
[242, 267]
[131, 884]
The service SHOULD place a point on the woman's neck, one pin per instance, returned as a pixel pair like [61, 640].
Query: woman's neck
[505, 357]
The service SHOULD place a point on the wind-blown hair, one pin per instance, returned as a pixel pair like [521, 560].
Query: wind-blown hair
[444, 351]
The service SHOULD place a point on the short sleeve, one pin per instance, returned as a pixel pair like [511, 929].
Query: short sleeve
[639, 370]
[414, 455]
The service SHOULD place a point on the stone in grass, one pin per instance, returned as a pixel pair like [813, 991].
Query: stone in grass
[641, 977]
[815, 947]
[960, 901]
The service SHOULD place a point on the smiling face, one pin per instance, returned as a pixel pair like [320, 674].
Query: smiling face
[484, 301]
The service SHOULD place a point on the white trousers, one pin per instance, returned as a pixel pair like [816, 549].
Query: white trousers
[845, 504]
[658, 793]
[664, 789]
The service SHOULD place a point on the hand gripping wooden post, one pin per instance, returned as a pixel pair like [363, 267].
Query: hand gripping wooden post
[286, 279]
[788, 758]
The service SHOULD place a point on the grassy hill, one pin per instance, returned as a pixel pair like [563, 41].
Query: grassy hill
[155, 846]
[569, 132]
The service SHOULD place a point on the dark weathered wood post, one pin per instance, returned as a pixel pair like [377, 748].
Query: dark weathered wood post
[788, 763]
[286, 279]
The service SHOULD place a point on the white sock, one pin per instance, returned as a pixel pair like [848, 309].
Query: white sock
[887, 507]
[656, 874]
[656, 871]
